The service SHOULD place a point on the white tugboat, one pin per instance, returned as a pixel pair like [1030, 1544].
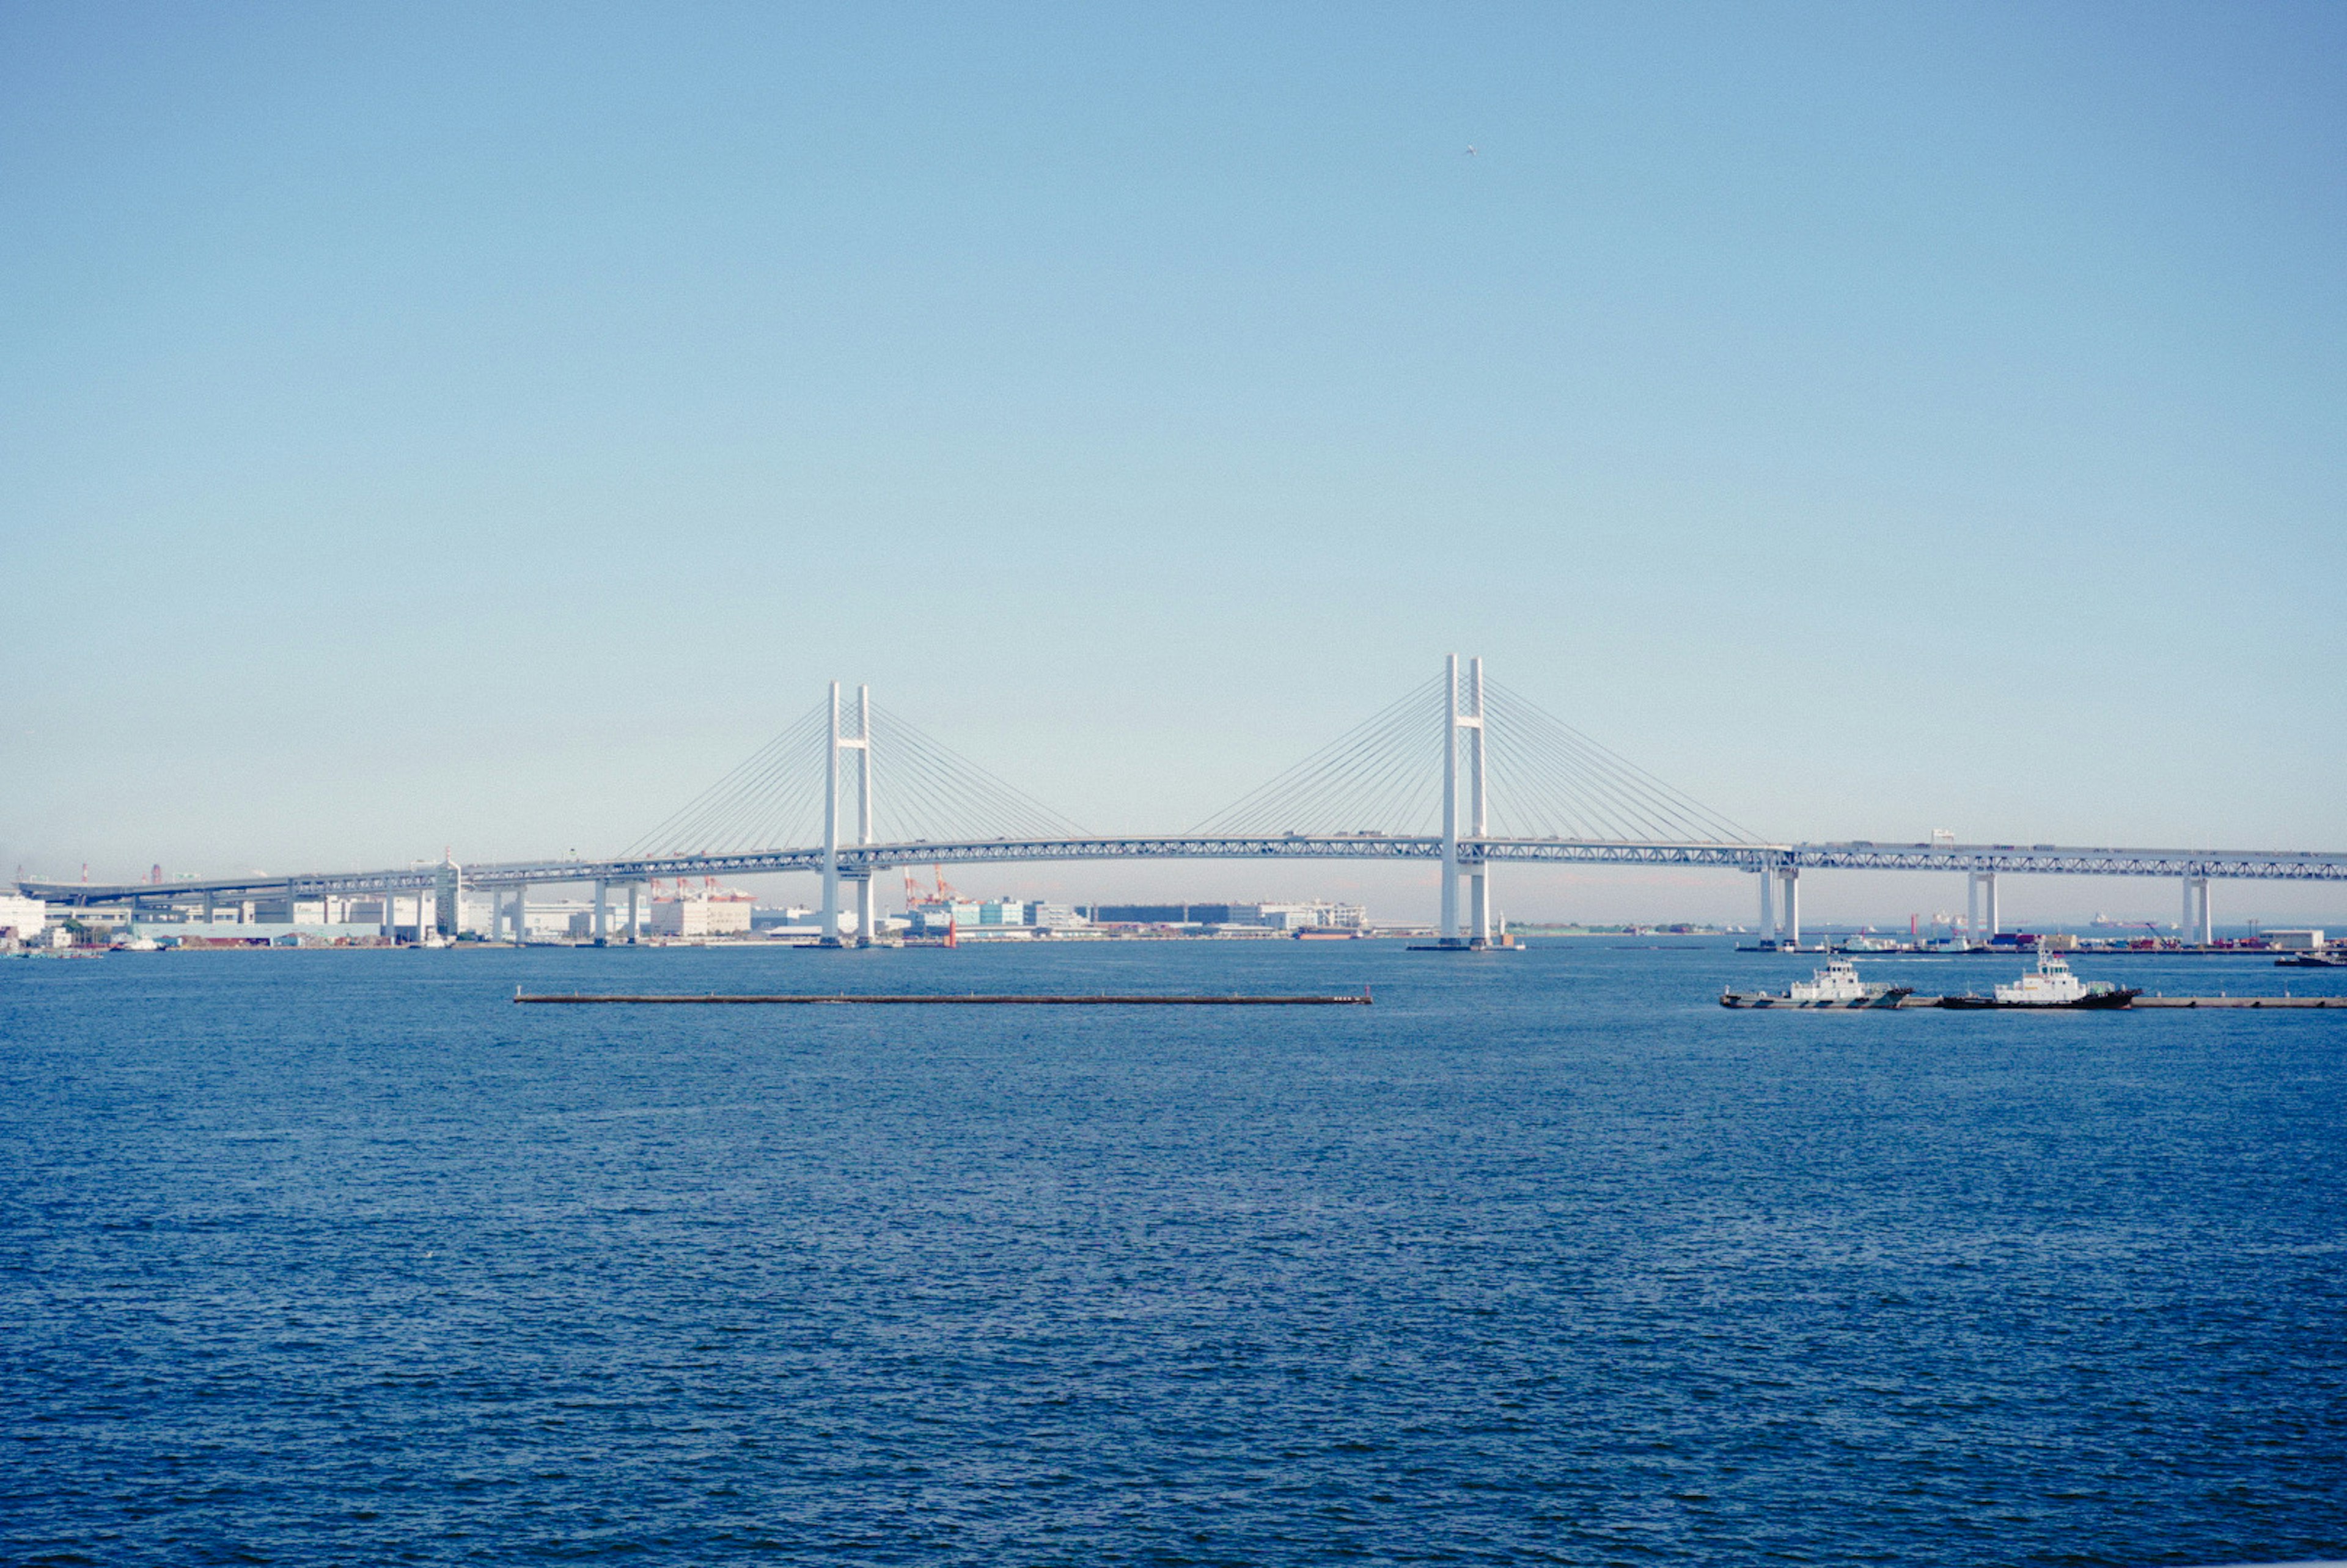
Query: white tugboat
[1863, 942]
[1835, 985]
[2051, 985]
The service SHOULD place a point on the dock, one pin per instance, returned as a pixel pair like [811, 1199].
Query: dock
[2339, 1002]
[969, 998]
[1888, 1004]
[2240, 1001]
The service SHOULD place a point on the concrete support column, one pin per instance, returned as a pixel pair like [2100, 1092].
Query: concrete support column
[1767, 905]
[521, 916]
[207, 908]
[830, 925]
[1451, 800]
[602, 911]
[1792, 880]
[1479, 881]
[635, 913]
[865, 912]
[2198, 924]
[1988, 903]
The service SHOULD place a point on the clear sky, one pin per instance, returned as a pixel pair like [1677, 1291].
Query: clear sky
[481, 426]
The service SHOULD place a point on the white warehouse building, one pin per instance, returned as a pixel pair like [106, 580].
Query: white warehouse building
[721, 917]
[22, 917]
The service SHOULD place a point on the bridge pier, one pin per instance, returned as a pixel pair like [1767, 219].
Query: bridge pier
[1477, 933]
[1981, 920]
[1767, 905]
[1479, 881]
[519, 915]
[861, 744]
[635, 914]
[602, 912]
[1789, 878]
[865, 912]
[830, 920]
[1449, 871]
[2199, 925]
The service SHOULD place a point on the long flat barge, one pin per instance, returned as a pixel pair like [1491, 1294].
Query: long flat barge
[2240, 1002]
[971, 999]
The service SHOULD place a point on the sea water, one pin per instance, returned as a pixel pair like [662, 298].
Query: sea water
[343, 1257]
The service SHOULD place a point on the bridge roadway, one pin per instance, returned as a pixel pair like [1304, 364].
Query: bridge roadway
[862, 860]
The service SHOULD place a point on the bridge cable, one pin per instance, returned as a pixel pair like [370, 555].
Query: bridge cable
[710, 822]
[1555, 775]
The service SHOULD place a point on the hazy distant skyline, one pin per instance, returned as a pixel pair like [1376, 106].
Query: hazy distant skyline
[483, 427]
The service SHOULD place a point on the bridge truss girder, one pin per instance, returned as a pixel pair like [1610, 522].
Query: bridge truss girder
[861, 861]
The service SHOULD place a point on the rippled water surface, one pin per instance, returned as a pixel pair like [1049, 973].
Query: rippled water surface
[341, 1257]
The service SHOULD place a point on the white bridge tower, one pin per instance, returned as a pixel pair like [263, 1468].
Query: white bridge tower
[1469, 722]
[860, 743]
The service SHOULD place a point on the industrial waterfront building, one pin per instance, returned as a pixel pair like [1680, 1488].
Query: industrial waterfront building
[1310, 915]
[21, 918]
[715, 914]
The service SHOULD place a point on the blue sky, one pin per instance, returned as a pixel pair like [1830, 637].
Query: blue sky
[482, 425]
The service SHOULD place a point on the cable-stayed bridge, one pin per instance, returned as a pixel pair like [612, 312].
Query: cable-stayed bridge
[1462, 773]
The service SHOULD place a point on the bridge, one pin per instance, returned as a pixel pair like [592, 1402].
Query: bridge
[1459, 772]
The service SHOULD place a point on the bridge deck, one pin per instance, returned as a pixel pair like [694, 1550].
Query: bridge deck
[863, 860]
